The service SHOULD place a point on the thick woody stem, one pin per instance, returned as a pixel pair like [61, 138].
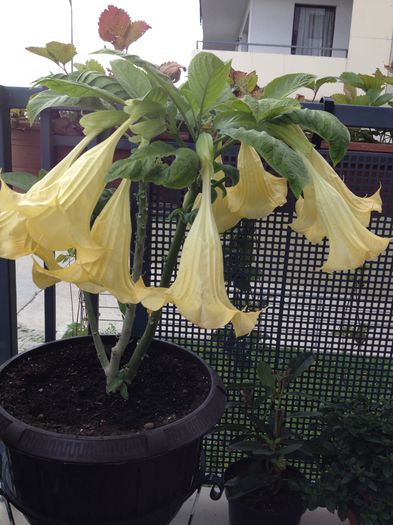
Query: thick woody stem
[128, 321]
[131, 368]
[91, 316]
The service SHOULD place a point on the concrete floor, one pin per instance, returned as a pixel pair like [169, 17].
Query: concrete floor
[206, 512]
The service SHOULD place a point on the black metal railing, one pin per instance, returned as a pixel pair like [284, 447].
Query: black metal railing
[238, 45]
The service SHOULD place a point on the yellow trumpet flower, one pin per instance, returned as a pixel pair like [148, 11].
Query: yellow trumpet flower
[199, 290]
[58, 209]
[325, 212]
[112, 231]
[15, 240]
[360, 206]
[258, 193]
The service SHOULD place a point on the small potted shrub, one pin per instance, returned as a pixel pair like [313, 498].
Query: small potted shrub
[264, 487]
[356, 461]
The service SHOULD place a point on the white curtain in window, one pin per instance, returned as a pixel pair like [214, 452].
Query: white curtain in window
[315, 27]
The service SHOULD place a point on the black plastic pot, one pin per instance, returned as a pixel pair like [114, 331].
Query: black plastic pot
[136, 479]
[242, 513]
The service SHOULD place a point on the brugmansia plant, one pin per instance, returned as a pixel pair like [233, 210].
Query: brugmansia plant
[135, 99]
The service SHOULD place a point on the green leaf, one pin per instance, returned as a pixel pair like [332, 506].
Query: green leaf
[207, 78]
[266, 376]
[288, 449]
[57, 52]
[51, 99]
[300, 364]
[325, 125]
[383, 99]
[20, 179]
[98, 121]
[148, 129]
[231, 173]
[123, 391]
[282, 87]
[77, 88]
[251, 446]
[157, 78]
[325, 80]
[146, 164]
[234, 119]
[114, 385]
[277, 154]
[131, 78]
[62, 53]
[268, 108]
[183, 170]
[90, 65]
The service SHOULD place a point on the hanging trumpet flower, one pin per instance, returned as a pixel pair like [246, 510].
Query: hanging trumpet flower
[199, 290]
[58, 209]
[258, 193]
[325, 212]
[110, 272]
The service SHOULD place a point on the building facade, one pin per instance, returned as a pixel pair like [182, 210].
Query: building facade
[275, 37]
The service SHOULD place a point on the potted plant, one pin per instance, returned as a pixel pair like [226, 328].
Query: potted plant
[355, 449]
[115, 462]
[264, 487]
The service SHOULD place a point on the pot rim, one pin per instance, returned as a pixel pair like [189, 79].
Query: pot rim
[13, 431]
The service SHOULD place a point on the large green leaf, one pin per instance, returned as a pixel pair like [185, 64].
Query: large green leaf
[98, 121]
[51, 99]
[268, 108]
[157, 78]
[131, 78]
[78, 88]
[208, 76]
[285, 85]
[147, 164]
[234, 119]
[277, 154]
[325, 125]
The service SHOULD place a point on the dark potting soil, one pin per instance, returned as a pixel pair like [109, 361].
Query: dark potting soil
[63, 390]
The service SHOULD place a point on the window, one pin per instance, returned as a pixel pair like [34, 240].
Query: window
[313, 30]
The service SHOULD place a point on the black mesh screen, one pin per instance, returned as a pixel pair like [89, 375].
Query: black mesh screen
[345, 318]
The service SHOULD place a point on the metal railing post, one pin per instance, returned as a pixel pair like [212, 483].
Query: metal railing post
[8, 307]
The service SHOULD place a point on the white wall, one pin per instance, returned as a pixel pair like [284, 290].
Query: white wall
[271, 65]
[371, 35]
[271, 22]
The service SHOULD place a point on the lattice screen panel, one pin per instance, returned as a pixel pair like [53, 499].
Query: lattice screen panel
[345, 318]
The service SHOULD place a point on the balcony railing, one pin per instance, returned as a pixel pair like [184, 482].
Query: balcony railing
[237, 45]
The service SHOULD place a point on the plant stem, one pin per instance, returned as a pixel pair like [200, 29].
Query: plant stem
[131, 368]
[91, 316]
[137, 267]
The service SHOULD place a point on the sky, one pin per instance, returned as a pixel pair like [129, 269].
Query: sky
[174, 31]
